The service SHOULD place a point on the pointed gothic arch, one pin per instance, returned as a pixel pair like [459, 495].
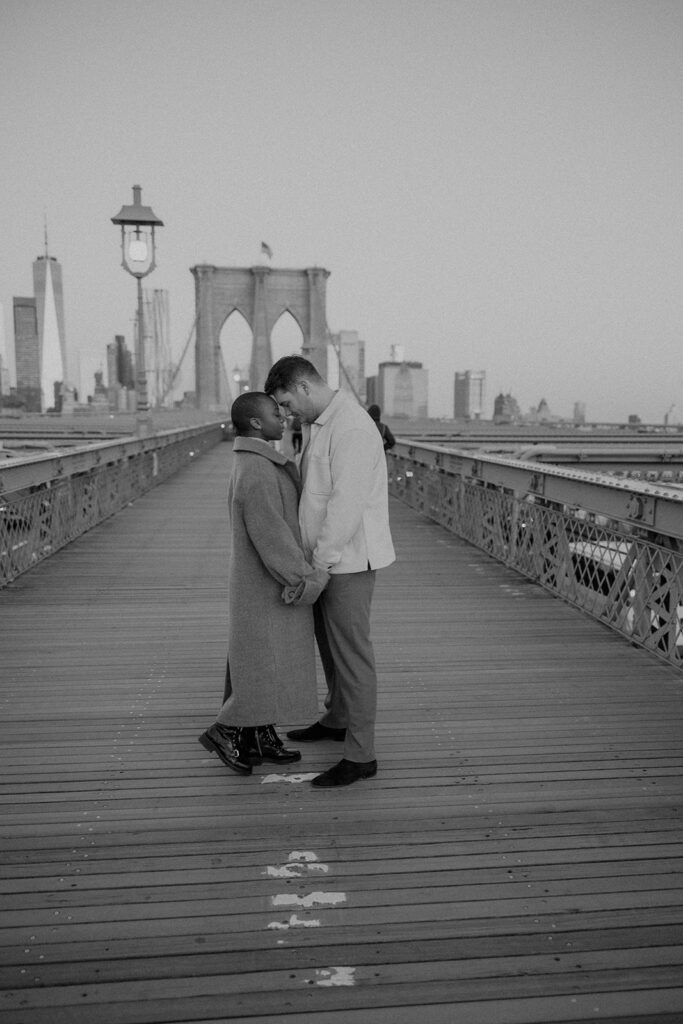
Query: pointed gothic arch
[286, 337]
[261, 294]
[235, 340]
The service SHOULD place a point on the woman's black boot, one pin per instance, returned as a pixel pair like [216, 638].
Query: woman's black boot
[271, 747]
[252, 744]
[231, 745]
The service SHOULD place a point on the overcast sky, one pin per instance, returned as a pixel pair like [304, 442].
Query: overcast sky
[493, 184]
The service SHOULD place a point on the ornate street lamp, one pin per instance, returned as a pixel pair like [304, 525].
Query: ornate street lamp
[138, 251]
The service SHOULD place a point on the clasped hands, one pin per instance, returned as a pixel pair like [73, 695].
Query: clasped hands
[308, 590]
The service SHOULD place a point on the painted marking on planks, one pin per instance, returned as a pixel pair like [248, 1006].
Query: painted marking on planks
[335, 976]
[312, 899]
[295, 779]
[294, 922]
[299, 863]
[295, 870]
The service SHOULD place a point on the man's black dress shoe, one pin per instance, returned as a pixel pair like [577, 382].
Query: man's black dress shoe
[317, 731]
[346, 772]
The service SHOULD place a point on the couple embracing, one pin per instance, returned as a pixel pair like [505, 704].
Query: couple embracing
[305, 549]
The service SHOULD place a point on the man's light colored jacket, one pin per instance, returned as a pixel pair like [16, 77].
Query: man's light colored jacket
[344, 507]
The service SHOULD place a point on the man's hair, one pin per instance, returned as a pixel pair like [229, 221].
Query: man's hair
[245, 407]
[286, 372]
[375, 412]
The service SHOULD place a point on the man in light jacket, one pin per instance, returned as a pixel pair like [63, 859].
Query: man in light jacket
[344, 520]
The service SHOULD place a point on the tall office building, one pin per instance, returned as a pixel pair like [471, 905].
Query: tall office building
[4, 374]
[468, 395]
[47, 287]
[27, 353]
[402, 389]
[125, 369]
[113, 386]
[157, 344]
[120, 376]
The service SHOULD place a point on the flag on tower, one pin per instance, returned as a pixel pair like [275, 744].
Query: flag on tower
[267, 250]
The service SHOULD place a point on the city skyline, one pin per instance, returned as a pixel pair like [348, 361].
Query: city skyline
[492, 186]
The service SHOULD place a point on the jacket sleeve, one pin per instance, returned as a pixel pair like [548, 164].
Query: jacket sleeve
[309, 590]
[353, 468]
[269, 532]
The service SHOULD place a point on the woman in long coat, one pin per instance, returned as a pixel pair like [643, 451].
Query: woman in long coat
[271, 590]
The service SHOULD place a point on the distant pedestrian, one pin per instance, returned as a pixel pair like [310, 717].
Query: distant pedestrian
[388, 439]
[271, 651]
[297, 435]
[344, 518]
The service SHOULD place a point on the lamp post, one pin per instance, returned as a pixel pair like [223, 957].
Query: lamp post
[138, 251]
[240, 381]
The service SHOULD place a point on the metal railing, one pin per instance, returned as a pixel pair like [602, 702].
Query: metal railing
[49, 500]
[613, 548]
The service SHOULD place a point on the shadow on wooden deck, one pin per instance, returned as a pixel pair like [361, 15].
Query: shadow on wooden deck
[516, 860]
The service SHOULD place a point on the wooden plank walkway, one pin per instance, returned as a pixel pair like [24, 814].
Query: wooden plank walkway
[517, 860]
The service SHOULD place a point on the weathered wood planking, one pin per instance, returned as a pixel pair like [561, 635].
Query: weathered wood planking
[516, 861]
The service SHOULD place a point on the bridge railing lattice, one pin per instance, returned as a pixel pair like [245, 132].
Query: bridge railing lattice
[611, 547]
[49, 500]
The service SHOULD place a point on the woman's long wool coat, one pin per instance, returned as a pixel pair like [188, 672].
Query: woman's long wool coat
[271, 649]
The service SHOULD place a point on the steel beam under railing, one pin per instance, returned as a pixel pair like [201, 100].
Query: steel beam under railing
[48, 500]
[613, 548]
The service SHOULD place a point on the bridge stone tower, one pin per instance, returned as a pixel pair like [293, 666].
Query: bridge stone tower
[261, 294]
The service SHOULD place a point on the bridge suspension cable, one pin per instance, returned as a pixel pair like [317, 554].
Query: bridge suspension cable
[174, 375]
[342, 368]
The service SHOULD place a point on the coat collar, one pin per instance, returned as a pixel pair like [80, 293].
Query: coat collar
[260, 447]
[333, 406]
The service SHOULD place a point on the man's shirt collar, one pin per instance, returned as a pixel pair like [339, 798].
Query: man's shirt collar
[330, 409]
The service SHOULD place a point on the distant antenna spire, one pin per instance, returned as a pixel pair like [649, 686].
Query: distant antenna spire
[45, 226]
